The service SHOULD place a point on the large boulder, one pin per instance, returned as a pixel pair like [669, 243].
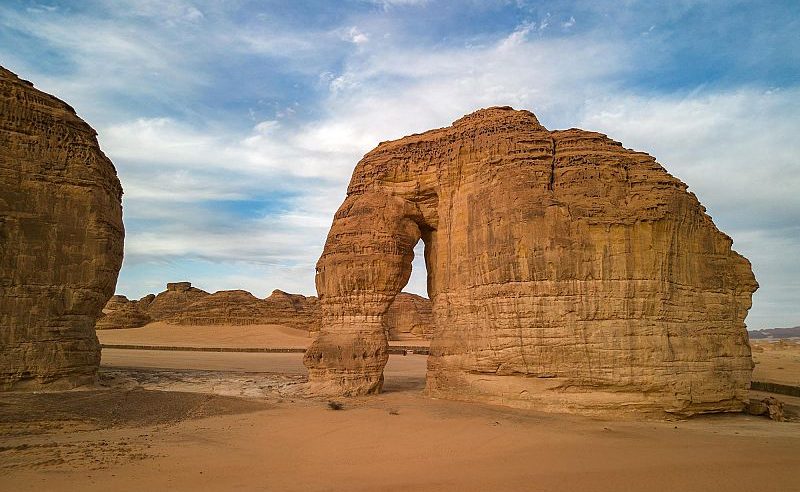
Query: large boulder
[566, 273]
[61, 239]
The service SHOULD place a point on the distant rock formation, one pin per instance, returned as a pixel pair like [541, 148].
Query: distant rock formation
[239, 307]
[293, 310]
[120, 312]
[61, 239]
[775, 333]
[567, 273]
[127, 316]
[171, 302]
[409, 316]
[182, 304]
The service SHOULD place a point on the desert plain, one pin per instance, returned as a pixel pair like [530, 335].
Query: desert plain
[198, 420]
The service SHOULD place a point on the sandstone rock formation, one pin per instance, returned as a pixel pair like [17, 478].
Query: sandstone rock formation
[566, 272]
[293, 310]
[61, 238]
[127, 316]
[239, 307]
[769, 406]
[408, 317]
[120, 312]
[117, 302]
[177, 297]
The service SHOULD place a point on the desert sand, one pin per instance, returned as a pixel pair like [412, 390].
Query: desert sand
[243, 428]
[777, 361]
[160, 333]
[164, 334]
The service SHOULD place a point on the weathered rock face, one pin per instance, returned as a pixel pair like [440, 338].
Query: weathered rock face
[125, 316]
[61, 238]
[239, 307]
[566, 273]
[293, 310]
[116, 302]
[121, 312]
[409, 316]
[177, 297]
[227, 307]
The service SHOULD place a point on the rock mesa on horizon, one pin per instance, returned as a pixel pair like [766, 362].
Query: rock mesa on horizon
[566, 273]
[61, 239]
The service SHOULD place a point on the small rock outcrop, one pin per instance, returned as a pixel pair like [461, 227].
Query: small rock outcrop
[121, 312]
[127, 316]
[769, 406]
[409, 316]
[294, 310]
[173, 301]
[61, 238]
[566, 273]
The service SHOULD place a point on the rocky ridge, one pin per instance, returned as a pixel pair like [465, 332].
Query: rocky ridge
[182, 304]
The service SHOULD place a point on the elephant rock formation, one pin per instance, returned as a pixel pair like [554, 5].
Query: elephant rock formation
[566, 273]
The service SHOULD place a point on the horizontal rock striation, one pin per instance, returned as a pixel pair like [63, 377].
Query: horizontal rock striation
[173, 301]
[120, 312]
[239, 307]
[566, 273]
[61, 238]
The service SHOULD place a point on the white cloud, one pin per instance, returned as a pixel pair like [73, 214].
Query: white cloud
[355, 36]
[737, 149]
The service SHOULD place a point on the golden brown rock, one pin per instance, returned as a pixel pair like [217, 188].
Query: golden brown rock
[182, 304]
[409, 317]
[125, 316]
[293, 310]
[566, 273]
[239, 307]
[116, 302]
[177, 297]
[61, 238]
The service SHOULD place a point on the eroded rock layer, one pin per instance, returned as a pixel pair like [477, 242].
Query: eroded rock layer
[61, 238]
[566, 273]
[239, 307]
[120, 312]
[408, 318]
[171, 302]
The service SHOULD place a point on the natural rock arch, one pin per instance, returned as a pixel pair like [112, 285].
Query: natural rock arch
[566, 272]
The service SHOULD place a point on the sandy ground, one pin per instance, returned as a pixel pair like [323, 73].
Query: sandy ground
[159, 333]
[233, 421]
[777, 362]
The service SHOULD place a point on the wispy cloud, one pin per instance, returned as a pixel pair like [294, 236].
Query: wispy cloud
[235, 127]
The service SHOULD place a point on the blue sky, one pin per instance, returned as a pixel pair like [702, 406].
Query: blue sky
[235, 126]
